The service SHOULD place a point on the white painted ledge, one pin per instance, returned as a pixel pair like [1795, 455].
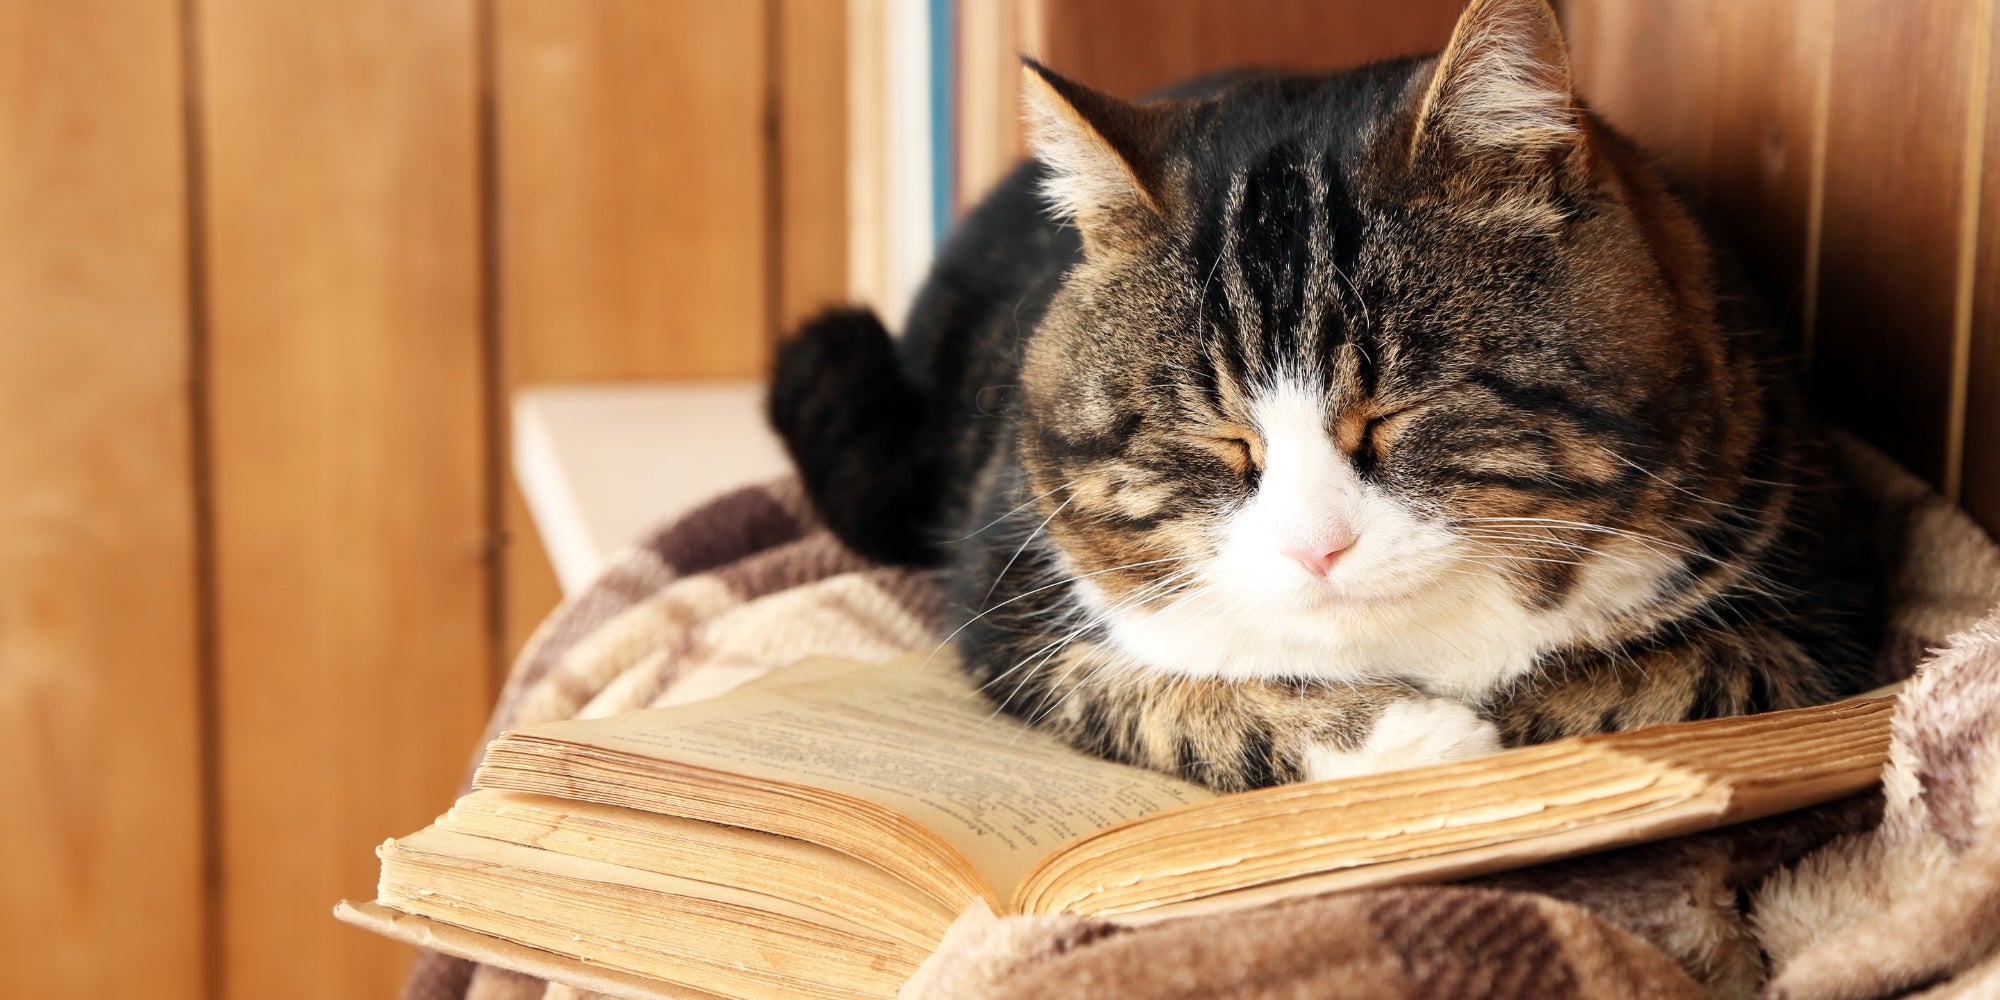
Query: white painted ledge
[600, 463]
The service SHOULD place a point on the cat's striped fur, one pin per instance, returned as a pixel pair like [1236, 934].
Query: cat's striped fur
[1429, 316]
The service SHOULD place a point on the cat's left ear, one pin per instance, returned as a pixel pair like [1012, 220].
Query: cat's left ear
[1501, 99]
[1105, 157]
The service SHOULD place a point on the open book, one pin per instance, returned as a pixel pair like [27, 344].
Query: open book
[815, 836]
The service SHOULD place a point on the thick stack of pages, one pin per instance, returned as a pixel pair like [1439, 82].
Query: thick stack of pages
[816, 836]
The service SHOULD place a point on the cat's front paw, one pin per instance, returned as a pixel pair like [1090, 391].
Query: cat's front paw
[1409, 733]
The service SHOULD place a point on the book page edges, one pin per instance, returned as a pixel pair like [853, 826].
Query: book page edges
[437, 847]
[1706, 775]
[855, 827]
[444, 938]
[836, 882]
[1723, 803]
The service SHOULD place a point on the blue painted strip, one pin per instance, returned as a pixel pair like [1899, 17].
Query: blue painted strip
[944, 114]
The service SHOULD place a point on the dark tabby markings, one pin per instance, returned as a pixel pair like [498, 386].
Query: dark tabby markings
[1522, 338]
[1230, 736]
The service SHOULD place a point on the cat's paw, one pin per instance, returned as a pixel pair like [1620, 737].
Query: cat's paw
[1409, 733]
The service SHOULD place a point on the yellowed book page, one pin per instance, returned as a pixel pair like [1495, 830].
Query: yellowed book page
[435, 845]
[819, 877]
[433, 935]
[679, 929]
[913, 737]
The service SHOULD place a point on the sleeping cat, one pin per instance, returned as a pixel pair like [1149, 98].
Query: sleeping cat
[1290, 427]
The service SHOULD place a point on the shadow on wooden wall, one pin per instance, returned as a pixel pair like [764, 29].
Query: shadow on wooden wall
[1849, 146]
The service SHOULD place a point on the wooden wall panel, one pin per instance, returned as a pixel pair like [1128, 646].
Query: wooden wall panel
[1621, 53]
[634, 221]
[1890, 227]
[1764, 152]
[1098, 43]
[100, 773]
[809, 64]
[341, 201]
[532, 590]
[1737, 120]
[1833, 140]
[1980, 447]
[1094, 40]
[992, 34]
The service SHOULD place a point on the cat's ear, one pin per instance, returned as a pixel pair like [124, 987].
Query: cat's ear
[1104, 156]
[1501, 96]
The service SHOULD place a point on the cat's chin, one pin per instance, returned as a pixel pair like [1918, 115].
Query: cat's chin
[1378, 601]
[1344, 600]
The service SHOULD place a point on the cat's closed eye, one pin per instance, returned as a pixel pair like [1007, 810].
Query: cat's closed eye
[1366, 437]
[1238, 446]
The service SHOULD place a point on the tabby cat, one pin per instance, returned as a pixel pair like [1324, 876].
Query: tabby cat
[1297, 426]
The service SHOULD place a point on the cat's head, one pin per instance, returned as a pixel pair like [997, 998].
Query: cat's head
[1419, 349]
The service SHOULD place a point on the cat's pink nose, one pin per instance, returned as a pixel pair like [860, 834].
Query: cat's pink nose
[1318, 557]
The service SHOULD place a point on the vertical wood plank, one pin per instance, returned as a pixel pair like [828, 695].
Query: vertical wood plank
[870, 143]
[633, 207]
[1980, 489]
[990, 42]
[532, 590]
[1768, 127]
[348, 454]
[1133, 46]
[810, 64]
[1621, 53]
[632, 195]
[1895, 158]
[1727, 96]
[100, 771]
[1846, 193]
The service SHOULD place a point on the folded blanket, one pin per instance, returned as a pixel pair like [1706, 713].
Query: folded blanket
[1853, 899]
[1915, 901]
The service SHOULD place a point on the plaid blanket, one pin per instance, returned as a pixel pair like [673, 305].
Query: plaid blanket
[1871, 897]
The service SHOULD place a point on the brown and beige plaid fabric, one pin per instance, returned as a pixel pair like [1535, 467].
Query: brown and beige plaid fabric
[1886, 899]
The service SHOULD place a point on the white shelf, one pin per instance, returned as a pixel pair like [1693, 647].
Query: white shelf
[600, 463]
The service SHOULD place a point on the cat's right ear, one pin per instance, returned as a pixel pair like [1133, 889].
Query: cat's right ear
[1500, 104]
[1105, 156]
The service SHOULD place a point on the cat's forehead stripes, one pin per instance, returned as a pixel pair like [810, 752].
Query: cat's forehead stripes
[1278, 245]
